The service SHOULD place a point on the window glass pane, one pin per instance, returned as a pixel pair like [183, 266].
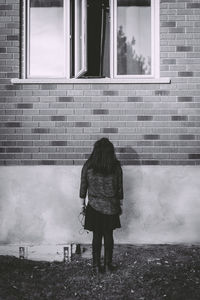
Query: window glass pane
[46, 38]
[133, 37]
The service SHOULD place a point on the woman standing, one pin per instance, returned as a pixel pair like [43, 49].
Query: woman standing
[101, 178]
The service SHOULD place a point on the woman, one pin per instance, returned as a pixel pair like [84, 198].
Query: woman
[101, 178]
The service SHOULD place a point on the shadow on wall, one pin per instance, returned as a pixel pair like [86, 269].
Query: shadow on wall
[128, 156]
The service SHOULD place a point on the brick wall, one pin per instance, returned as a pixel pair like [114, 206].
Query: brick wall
[154, 124]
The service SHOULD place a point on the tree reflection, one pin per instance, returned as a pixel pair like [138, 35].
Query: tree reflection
[128, 61]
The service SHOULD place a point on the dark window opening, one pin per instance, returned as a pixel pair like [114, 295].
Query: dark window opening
[98, 39]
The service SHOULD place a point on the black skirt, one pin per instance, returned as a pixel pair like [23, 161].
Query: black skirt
[96, 221]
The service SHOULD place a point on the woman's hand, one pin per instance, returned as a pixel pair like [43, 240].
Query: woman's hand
[83, 209]
[83, 206]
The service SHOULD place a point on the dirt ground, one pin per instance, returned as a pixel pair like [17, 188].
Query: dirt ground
[152, 272]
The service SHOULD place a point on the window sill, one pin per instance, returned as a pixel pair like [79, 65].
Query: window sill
[89, 81]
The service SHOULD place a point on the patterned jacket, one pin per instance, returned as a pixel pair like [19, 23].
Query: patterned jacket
[105, 193]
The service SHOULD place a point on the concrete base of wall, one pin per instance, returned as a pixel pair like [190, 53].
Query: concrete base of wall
[41, 205]
[37, 252]
[47, 252]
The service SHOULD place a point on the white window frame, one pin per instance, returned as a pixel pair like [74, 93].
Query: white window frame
[83, 7]
[67, 62]
[114, 78]
[155, 42]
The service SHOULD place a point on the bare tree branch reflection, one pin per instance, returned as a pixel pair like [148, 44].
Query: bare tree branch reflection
[128, 61]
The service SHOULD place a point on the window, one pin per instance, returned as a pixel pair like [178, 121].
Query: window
[83, 39]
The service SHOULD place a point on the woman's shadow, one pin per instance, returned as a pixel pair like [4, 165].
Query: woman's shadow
[128, 156]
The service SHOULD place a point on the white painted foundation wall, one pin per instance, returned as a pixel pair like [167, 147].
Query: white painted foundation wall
[40, 205]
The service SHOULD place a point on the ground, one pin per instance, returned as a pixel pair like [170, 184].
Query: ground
[152, 272]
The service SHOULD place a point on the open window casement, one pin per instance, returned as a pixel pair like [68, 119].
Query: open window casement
[80, 37]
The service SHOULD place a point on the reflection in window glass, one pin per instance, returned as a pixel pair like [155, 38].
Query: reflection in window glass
[46, 42]
[133, 37]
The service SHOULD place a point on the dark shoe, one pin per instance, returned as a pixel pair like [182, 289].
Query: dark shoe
[110, 268]
[98, 270]
[95, 270]
[101, 269]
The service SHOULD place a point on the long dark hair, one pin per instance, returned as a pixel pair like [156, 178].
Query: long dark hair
[103, 159]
